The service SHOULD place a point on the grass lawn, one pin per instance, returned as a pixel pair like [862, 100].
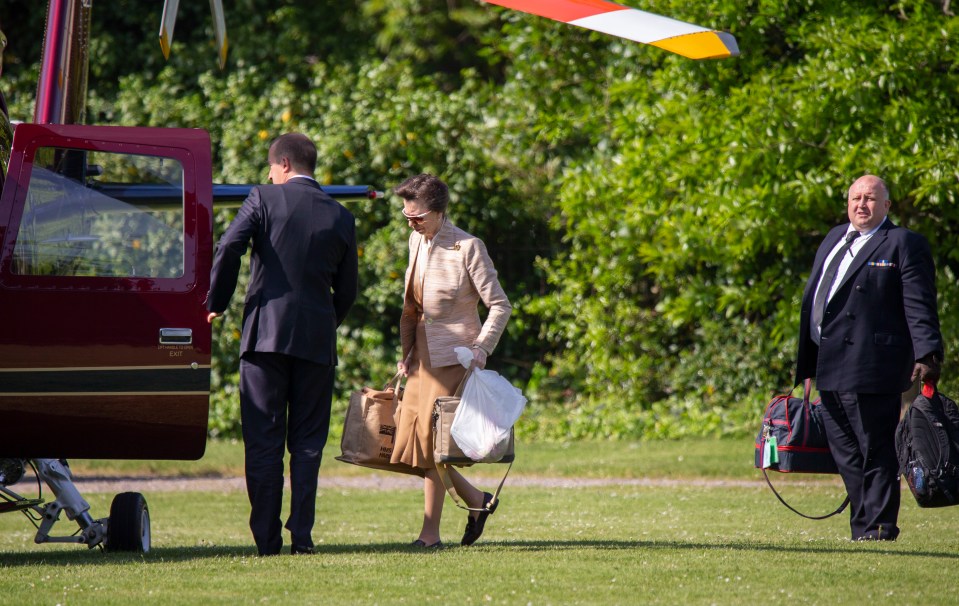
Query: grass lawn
[698, 542]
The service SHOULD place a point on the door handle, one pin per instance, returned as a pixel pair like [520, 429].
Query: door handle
[176, 336]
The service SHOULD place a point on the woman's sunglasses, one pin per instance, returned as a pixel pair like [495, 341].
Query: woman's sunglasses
[416, 218]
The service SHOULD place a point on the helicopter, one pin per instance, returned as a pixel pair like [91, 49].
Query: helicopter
[106, 245]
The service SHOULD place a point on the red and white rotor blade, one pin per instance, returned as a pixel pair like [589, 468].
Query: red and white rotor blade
[686, 39]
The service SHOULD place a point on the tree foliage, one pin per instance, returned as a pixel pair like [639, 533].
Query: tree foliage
[653, 219]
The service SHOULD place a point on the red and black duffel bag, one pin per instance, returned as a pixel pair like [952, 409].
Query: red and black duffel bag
[793, 428]
[793, 440]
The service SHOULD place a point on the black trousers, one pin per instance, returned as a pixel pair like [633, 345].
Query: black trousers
[284, 401]
[862, 429]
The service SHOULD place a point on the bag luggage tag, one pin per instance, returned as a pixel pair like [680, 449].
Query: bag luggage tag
[770, 450]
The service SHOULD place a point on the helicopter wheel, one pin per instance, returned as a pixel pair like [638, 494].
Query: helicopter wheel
[129, 525]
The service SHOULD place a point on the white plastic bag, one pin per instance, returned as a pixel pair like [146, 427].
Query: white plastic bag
[488, 408]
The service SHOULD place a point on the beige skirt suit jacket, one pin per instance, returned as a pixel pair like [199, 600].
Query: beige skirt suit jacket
[440, 312]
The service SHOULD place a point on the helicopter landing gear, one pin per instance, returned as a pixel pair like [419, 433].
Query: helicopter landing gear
[126, 530]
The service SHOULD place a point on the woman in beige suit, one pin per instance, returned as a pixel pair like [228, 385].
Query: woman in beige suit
[449, 272]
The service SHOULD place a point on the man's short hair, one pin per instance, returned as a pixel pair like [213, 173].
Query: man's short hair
[427, 189]
[298, 149]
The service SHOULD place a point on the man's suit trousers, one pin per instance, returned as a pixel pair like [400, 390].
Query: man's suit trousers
[284, 401]
[861, 430]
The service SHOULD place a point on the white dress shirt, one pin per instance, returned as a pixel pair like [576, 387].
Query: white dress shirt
[857, 244]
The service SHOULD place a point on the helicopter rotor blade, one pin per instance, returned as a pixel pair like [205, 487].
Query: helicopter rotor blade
[686, 39]
[167, 22]
[219, 29]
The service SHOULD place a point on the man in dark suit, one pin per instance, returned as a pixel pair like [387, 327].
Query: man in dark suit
[303, 280]
[869, 328]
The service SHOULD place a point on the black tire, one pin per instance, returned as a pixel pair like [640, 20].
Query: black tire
[129, 525]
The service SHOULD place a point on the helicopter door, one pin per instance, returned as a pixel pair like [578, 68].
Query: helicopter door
[104, 270]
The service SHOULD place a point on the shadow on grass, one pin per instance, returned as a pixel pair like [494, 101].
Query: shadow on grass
[869, 548]
[83, 557]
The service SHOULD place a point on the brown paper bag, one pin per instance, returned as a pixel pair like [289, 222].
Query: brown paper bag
[369, 429]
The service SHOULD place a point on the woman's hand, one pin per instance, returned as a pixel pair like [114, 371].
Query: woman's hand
[403, 369]
[479, 358]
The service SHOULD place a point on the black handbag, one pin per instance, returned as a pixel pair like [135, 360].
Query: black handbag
[792, 439]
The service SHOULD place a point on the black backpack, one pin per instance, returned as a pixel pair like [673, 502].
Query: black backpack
[927, 446]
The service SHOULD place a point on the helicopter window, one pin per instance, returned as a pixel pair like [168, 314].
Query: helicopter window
[102, 214]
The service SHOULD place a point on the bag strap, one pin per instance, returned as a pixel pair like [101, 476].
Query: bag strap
[459, 389]
[796, 511]
[443, 470]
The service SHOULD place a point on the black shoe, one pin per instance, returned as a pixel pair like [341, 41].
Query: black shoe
[881, 534]
[419, 543]
[271, 548]
[474, 526]
[294, 550]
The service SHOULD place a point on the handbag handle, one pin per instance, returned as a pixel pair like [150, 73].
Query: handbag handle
[394, 381]
[806, 390]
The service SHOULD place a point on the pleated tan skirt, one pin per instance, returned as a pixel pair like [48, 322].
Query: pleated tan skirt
[414, 428]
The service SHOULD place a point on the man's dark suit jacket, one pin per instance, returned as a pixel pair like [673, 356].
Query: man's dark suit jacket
[882, 318]
[303, 270]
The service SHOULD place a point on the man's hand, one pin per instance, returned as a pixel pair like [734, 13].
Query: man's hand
[212, 316]
[927, 369]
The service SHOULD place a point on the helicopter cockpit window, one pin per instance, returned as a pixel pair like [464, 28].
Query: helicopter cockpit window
[102, 214]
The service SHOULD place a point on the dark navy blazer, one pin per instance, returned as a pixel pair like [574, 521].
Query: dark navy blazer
[882, 318]
[303, 270]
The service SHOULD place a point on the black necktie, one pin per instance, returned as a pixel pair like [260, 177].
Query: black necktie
[828, 277]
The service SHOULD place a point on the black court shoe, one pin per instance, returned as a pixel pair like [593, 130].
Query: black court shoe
[474, 526]
[419, 543]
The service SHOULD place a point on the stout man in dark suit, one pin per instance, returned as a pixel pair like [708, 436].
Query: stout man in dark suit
[303, 281]
[869, 328]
